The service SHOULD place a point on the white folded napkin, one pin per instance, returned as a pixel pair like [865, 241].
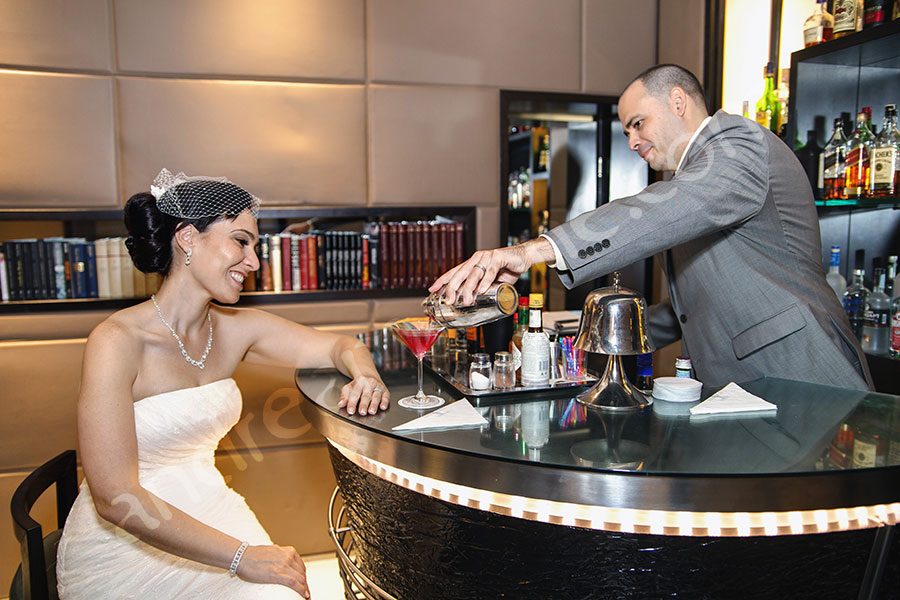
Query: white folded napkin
[731, 399]
[457, 414]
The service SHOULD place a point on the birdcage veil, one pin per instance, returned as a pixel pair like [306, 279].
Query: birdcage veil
[197, 196]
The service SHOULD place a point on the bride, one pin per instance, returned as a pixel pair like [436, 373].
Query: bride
[154, 518]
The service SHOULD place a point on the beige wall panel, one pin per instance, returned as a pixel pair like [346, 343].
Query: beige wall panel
[56, 33]
[286, 143]
[322, 313]
[39, 383]
[51, 325]
[434, 146]
[488, 235]
[620, 42]
[57, 140]
[310, 39]
[389, 310]
[532, 44]
[681, 39]
[289, 490]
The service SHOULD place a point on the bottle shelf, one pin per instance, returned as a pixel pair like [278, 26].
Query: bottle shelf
[867, 48]
[885, 202]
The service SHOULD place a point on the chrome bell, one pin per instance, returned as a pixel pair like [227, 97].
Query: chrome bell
[614, 322]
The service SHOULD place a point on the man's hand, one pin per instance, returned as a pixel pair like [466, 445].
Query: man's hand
[485, 267]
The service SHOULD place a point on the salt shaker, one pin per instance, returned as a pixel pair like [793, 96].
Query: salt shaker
[480, 372]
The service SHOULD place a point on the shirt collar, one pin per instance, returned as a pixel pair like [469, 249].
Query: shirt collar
[691, 141]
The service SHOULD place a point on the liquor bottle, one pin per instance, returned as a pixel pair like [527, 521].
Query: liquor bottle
[886, 156]
[868, 111]
[876, 331]
[834, 277]
[535, 346]
[542, 159]
[768, 108]
[896, 9]
[846, 14]
[783, 94]
[890, 282]
[809, 156]
[895, 327]
[855, 302]
[833, 163]
[515, 344]
[819, 27]
[856, 175]
[876, 12]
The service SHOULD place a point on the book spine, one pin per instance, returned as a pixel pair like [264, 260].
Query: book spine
[435, 249]
[365, 275]
[385, 276]
[296, 258]
[275, 259]
[419, 256]
[90, 270]
[4, 279]
[446, 248]
[358, 261]
[16, 271]
[126, 275]
[45, 291]
[395, 255]
[265, 266]
[79, 277]
[320, 262]
[304, 250]
[101, 254]
[403, 255]
[28, 269]
[459, 232]
[374, 267]
[315, 263]
[286, 258]
[67, 265]
[59, 268]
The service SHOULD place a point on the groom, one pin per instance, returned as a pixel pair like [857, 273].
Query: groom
[738, 232]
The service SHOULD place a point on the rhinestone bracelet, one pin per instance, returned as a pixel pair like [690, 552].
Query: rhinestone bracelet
[237, 558]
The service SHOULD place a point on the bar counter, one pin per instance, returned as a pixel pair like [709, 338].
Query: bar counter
[552, 500]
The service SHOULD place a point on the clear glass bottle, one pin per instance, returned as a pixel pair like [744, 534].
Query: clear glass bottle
[504, 371]
[855, 301]
[819, 27]
[535, 346]
[876, 330]
[890, 282]
[834, 163]
[856, 175]
[480, 372]
[834, 277]
[886, 156]
[535, 427]
[768, 108]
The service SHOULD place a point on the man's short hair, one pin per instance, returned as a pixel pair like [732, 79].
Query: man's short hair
[660, 80]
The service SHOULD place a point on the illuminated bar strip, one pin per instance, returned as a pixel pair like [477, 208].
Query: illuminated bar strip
[630, 520]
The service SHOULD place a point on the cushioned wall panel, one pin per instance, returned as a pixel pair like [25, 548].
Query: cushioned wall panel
[57, 140]
[321, 39]
[434, 146]
[620, 42]
[523, 44]
[56, 33]
[286, 143]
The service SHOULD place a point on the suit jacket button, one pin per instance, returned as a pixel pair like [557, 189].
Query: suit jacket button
[589, 250]
[598, 247]
[683, 318]
[582, 254]
[605, 243]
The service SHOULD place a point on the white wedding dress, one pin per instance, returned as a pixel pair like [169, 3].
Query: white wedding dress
[177, 435]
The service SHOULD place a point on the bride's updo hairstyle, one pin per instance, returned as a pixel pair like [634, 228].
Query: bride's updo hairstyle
[174, 203]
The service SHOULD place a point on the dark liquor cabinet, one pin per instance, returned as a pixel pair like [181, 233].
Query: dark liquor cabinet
[842, 76]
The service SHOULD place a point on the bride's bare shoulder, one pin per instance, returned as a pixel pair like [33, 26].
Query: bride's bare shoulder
[125, 326]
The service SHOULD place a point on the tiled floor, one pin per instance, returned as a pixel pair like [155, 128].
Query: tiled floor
[322, 576]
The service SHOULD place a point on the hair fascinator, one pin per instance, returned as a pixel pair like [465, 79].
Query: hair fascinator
[197, 196]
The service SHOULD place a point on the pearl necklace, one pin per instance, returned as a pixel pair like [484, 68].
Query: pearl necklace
[197, 363]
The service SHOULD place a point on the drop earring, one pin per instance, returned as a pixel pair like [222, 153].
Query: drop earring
[187, 258]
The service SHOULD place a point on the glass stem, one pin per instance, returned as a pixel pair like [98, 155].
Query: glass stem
[420, 393]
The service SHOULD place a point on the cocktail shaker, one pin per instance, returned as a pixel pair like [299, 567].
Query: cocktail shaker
[500, 300]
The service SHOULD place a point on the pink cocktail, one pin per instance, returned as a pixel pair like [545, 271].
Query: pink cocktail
[419, 336]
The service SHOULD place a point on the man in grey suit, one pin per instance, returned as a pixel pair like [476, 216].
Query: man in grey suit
[738, 230]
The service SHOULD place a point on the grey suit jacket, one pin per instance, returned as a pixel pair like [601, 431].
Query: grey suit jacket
[740, 236]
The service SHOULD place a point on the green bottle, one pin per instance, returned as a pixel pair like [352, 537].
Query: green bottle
[768, 109]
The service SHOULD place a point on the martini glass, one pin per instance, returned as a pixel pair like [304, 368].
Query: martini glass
[418, 335]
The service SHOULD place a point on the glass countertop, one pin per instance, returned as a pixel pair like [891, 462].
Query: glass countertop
[816, 428]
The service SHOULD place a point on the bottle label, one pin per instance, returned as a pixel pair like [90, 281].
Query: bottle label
[858, 155]
[864, 453]
[884, 161]
[516, 357]
[535, 358]
[895, 332]
[534, 318]
[813, 35]
[844, 15]
[764, 118]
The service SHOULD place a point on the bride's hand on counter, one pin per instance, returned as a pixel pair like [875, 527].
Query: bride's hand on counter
[365, 395]
[274, 564]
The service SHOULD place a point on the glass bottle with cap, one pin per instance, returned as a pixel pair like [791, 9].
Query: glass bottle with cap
[504, 371]
[480, 372]
[683, 367]
[535, 346]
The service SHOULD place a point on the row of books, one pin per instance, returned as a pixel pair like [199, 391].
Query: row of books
[385, 255]
[392, 255]
[63, 268]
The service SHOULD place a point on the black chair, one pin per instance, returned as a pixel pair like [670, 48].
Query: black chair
[36, 577]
